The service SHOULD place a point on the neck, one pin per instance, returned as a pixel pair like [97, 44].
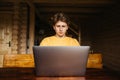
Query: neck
[60, 36]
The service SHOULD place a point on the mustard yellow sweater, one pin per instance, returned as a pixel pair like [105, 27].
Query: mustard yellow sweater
[56, 41]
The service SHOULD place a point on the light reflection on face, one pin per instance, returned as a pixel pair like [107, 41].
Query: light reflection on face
[60, 29]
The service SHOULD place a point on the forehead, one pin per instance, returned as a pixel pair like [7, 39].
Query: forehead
[61, 23]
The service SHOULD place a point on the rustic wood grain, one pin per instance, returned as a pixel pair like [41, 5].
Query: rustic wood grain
[28, 74]
[18, 60]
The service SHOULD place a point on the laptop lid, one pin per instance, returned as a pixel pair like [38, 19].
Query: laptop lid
[60, 60]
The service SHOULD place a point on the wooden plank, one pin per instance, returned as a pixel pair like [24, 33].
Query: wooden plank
[28, 74]
[1, 60]
[18, 60]
[60, 78]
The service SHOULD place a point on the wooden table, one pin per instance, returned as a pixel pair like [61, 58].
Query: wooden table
[60, 78]
[28, 74]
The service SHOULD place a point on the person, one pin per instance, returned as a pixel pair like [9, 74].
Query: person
[60, 23]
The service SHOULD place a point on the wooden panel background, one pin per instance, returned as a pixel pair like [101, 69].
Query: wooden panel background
[13, 28]
[5, 32]
[107, 38]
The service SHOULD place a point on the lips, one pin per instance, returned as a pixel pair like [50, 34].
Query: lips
[60, 32]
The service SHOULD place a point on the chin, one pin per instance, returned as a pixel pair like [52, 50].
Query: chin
[61, 35]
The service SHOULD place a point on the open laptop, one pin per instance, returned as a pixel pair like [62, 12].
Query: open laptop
[53, 61]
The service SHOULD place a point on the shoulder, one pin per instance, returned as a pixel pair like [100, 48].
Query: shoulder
[70, 38]
[47, 38]
[74, 41]
[45, 41]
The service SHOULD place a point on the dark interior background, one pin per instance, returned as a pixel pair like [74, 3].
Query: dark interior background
[97, 20]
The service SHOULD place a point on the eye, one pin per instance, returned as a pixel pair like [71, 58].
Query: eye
[63, 25]
[57, 25]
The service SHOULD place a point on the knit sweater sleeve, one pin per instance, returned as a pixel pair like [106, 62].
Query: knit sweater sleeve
[44, 42]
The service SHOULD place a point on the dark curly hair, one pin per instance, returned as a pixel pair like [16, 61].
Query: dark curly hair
[59, 17]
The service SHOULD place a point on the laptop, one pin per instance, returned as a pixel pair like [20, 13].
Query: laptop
[60, 61]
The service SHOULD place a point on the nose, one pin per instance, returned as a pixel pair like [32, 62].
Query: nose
[61, 28]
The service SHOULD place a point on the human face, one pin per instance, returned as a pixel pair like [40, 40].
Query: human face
[60, 29]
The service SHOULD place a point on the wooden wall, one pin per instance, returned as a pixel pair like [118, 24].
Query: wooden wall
[14, 20]
[107, 38]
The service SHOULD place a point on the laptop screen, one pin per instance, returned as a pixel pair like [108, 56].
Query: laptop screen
[60, 60]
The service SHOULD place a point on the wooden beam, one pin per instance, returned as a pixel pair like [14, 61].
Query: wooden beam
[71, 9]
[80, 2]
[75, 1]
[32, 26]
[30, 3]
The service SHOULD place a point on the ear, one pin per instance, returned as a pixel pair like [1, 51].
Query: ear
[67, 27]
[54, 27]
